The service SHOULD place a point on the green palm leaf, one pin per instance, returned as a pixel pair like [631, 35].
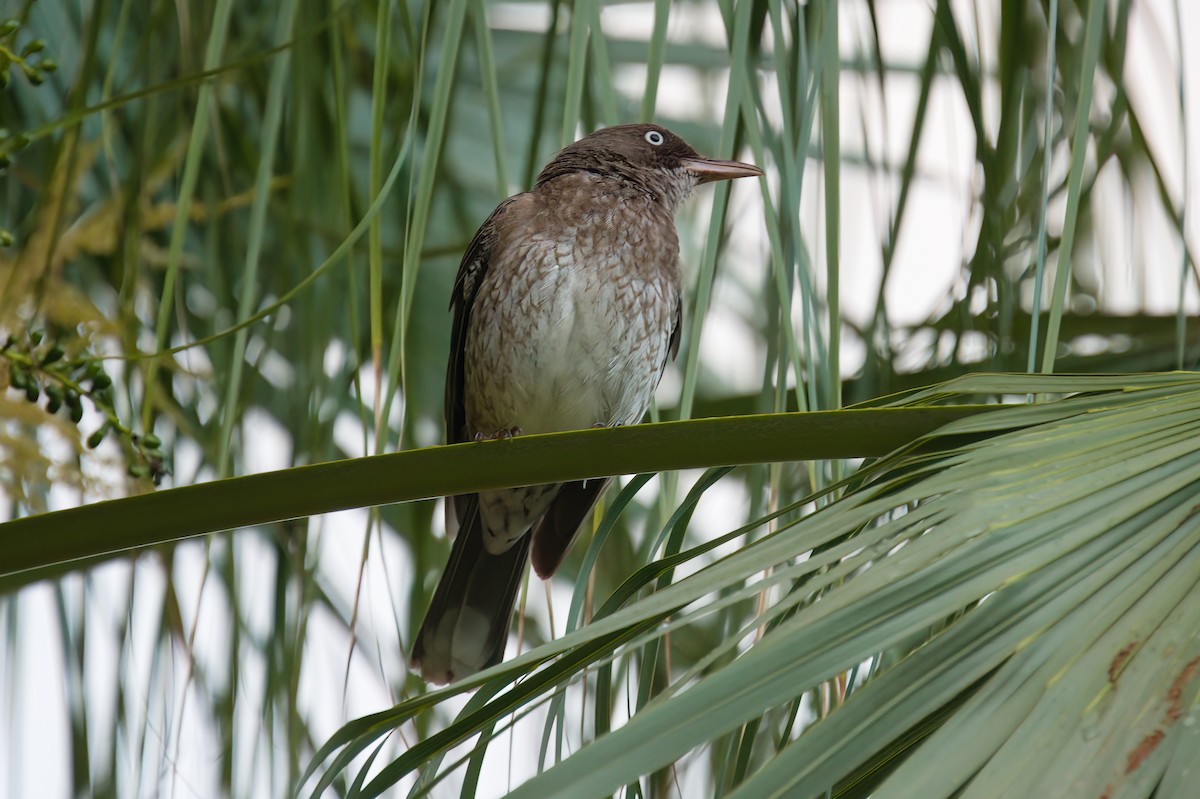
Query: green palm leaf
[229, 233]
[1063, 563]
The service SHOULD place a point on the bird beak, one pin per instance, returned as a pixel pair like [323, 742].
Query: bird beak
[709, 170]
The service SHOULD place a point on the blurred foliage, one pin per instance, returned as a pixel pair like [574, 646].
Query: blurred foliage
[248, 218]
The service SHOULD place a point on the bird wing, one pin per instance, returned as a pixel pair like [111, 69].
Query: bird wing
[676, 330]
[471, 271]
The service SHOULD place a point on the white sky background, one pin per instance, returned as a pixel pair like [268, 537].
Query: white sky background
[1138, 262]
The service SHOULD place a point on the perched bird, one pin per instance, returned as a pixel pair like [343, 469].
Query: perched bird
[566, 305]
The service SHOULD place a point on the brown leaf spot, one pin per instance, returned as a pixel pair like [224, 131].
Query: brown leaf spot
[1143, 750]
[1175, 695]
[1118, 662]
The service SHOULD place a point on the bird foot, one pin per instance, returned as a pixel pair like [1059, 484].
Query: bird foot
[503, 434]
[611, 425]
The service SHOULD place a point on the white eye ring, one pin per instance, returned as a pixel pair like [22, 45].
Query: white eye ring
[654, 137]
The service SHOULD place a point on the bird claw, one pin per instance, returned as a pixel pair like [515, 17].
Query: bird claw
[503, 434]
[610, 425]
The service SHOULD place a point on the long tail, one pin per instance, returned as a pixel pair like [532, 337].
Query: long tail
[467, 624]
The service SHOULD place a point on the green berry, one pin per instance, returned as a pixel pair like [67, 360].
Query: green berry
[76, 408]
[95, 438]
[55, 353]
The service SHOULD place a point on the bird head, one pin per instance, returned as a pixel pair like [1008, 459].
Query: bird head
[650, 157]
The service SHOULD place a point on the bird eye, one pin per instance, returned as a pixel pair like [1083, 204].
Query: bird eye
[654, 137]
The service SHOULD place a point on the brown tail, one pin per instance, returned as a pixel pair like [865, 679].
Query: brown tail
[467, 624]
[552, 536]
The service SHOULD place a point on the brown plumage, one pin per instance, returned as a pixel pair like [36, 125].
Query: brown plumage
[567, 304]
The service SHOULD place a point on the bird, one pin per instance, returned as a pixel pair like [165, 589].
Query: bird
[567, 304]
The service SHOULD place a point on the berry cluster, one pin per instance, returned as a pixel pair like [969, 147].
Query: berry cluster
[41, 369]
[10, 54]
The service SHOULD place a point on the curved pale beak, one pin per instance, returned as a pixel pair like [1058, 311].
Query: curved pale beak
[710, 170]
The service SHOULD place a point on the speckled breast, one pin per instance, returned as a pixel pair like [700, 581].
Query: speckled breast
[571, 326]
